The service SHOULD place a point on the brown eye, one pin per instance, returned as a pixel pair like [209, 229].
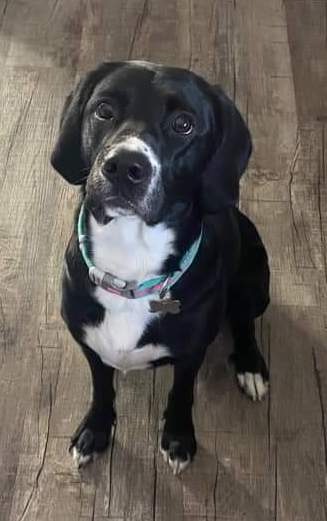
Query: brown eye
[183, 124]
[104, 111]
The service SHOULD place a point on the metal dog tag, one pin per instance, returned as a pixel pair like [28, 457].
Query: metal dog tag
[167, 305]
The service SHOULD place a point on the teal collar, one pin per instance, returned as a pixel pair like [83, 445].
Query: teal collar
[132, 289]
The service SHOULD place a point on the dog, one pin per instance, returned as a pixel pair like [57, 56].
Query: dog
[160, 254]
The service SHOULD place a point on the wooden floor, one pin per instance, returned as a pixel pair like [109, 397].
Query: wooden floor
[255, 462]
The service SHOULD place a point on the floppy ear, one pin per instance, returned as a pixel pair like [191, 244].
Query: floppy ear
[220, 181]
[67, 157]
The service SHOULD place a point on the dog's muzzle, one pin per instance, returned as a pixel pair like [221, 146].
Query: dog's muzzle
[127, 167]
[126, 179]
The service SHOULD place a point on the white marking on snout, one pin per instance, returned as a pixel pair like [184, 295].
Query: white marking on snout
[135, 144]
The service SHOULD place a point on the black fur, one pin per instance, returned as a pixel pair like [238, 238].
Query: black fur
[199, 184]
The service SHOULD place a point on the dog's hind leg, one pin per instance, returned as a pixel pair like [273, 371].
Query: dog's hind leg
[248, 299]
[251, 370]
[93, 434]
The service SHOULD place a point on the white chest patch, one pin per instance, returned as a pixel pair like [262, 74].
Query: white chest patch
[131, 250]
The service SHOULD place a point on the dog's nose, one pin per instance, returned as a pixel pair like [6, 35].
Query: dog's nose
[130, 166]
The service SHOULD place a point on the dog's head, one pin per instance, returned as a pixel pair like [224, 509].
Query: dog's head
[151, 140]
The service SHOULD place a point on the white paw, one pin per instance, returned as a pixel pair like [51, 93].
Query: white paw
[253, 385]
[79, 459]
[177, 465]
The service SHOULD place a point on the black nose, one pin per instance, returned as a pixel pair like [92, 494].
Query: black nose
[129, 166]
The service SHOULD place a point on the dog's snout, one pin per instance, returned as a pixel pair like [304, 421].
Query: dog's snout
[127, 166]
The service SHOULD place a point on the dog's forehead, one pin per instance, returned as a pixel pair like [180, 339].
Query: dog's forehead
[151, 82]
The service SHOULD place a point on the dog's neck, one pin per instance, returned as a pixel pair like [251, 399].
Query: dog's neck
[129, 248]
[133, 250]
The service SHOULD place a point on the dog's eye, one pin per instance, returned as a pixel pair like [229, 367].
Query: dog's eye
[183, 123]
[104, 111]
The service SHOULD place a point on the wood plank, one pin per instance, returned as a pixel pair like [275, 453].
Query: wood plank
[300, 475]
[266, 97]
[41, 33]
[306, 25]
[25, 213]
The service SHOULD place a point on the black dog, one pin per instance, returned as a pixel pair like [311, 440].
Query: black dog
[160, 253]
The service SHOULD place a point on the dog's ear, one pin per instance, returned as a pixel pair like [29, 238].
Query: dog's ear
[232, 150]
[67, 157]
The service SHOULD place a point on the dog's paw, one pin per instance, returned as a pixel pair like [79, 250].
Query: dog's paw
[251, 372]
[177, 451]
[80, 458]
[253, 384]
[91, 437]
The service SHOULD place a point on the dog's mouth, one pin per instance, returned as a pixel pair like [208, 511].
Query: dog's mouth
[107, 199]
[104, 208]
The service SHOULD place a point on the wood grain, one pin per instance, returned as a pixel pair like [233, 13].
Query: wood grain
[258, 462]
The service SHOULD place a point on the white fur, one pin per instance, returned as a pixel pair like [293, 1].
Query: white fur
[135, 144]
[253, 385]
[177, 465]
[130, 250]
[79, 459]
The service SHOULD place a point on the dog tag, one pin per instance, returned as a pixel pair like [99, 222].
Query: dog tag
[167, 305]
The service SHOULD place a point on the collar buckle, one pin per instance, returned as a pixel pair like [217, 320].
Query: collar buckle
[117, 283]
[108, 281]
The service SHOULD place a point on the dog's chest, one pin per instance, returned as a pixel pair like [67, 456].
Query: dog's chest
[132, 251]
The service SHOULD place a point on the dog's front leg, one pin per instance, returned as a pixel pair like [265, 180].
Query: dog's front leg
[178, 443]
[93, 434]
